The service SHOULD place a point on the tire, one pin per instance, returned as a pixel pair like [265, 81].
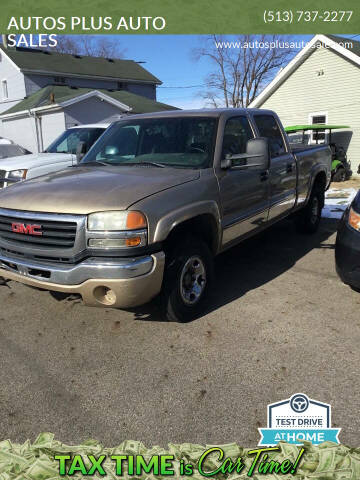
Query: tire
[183, 296]
[308, 219]
[339, 175]
[356, 289]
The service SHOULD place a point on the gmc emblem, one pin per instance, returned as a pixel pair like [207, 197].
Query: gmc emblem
[26, 229]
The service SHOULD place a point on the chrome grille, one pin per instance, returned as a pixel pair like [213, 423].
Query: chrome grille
[55, 234]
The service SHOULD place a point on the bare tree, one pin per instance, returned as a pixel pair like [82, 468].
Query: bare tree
[242, 67]
[92, 45]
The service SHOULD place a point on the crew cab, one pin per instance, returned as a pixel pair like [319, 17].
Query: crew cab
[154, 201]
[60, 154]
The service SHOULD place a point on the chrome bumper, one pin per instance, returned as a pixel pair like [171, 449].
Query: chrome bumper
[118, 283]
[79, 273]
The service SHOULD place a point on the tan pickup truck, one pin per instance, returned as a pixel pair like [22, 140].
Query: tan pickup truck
[152, 203]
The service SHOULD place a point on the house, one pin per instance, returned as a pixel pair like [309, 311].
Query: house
[320, 85]
[43, 92]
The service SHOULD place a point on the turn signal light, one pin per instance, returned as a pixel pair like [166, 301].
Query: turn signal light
[354, 219]
[135, 220]
[133, 241]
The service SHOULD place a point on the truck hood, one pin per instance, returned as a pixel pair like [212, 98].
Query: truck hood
[83, 190]
[33, 160]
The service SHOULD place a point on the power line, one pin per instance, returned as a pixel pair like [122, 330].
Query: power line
[187, 86]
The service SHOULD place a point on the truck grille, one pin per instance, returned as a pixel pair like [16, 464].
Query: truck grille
[54, 234]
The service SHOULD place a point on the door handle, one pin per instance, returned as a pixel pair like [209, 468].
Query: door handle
[264, 175]
[289, 168]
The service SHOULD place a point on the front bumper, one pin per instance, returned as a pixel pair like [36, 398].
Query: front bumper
[347, 254]
[121, 283]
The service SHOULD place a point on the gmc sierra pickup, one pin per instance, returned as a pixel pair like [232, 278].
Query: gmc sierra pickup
[153, 201]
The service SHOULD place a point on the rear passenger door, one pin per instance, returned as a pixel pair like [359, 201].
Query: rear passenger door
[282, 179]
[243, 192]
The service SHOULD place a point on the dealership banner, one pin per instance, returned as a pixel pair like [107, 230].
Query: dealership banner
[48, 458]
[173, 17]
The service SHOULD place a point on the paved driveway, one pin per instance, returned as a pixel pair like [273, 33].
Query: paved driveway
[280, 322]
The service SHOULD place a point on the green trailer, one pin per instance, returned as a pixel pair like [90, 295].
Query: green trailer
[340, 167]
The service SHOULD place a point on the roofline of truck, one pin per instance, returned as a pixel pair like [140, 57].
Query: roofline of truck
[204, 112]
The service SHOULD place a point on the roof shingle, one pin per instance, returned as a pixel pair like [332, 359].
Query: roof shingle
[344, 42]
[36, 60]
[59, 93]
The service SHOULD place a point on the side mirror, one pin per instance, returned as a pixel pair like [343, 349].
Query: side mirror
[257, 155]
[258, 152]
[80, 151]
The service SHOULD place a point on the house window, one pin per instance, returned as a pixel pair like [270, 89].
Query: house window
[4, 89]
[318, 136]
[122, 85]
[60, 80]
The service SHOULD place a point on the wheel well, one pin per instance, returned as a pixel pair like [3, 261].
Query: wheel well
[203, 226]
[320, 184]
[320, 181]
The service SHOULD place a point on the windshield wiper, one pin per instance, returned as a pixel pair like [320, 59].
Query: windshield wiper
[95, 162]
[161, 165]
[131, 164]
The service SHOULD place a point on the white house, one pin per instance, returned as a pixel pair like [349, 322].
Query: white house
[320, 85]
[42, 93]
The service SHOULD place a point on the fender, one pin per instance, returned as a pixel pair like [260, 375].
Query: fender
[313, 174]
[166, 224]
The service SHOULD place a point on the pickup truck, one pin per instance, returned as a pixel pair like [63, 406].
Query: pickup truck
[60, 154]
[152, 203]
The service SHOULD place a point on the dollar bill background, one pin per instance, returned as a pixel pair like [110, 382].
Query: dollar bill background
[35, 461]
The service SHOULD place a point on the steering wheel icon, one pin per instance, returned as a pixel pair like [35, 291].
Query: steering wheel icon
[299, 403]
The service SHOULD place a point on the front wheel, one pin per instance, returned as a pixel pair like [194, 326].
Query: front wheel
[308, 219]
[187, 280]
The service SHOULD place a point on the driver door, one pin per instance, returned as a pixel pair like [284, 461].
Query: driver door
[243, 193]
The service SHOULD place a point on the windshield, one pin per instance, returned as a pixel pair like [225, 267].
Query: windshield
[11, 151]
[69, 140]
[185, 142]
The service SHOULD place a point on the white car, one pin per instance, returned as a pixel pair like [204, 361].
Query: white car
[59, 155]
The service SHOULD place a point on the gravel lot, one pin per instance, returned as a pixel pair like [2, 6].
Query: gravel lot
[280, 322]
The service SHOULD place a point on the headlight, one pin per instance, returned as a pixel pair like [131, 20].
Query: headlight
[116, 221]
[18, 174]
[108, 230]
[354, 219]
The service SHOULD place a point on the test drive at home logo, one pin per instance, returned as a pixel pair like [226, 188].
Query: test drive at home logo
[297, 419]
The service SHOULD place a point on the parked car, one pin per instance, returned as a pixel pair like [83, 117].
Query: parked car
[153, 201]
[59, 155]
[347, 250]
[340, 166]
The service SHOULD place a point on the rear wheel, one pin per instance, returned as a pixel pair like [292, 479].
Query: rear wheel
[308, 219]
[187, 280]
[340, 175]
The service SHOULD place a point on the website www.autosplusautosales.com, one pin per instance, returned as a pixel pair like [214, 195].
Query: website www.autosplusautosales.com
[179, 241]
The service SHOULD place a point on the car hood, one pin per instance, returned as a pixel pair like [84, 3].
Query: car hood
[82, 190]
[33, 160]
